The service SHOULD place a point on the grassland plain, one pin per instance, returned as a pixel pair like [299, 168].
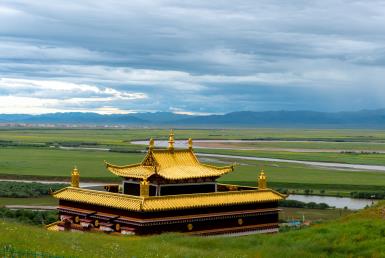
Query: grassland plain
[57, 164]
[298, 173]
[355, 139]
[52, 163]
[297, 178]
[351, 158]
[361, 234]
[123, 136]
[305, 145]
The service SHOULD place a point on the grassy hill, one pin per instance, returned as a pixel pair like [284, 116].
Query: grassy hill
[358, 235]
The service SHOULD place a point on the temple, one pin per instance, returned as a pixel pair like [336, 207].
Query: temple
[169, 191]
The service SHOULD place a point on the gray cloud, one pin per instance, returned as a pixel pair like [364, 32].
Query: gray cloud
[200, 56]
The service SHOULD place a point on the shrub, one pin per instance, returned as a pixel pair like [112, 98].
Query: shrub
[29, 216]
[368, 195]
[299, 204]
[24, 190]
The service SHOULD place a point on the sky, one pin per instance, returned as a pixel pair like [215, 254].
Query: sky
[191, 57]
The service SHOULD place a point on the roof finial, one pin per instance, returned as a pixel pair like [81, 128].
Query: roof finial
[262, 180]
[151, 144]
[171, 141]
[75, 177]
[190, 143]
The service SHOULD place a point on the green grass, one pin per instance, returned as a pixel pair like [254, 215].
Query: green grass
[122, 136]
[296, 178]
[318, 145]
[54, 163]
[58, 163]
[302, 174]
[39, 201]
[118, 138]
[314, 215]
[351, 158]
[358, 235]
[24, 162]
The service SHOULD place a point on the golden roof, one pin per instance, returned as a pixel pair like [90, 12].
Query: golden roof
[120, 201]
[135, 170]
[170, 202]
[169, 164]
[53, 226]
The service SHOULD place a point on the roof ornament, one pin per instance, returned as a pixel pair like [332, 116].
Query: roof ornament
[144, 188]
[262, 180]
[190, 143]
[151, 144]
[171, 141]
[75, 177]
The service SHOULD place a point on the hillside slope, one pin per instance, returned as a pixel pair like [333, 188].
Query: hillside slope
[359, 235]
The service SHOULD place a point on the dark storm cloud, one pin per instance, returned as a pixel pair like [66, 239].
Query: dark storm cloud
[199, 57]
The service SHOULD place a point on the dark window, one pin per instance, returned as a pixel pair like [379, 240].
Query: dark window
[131, 188]
[134, 189]
[152, 190]
[187, 189]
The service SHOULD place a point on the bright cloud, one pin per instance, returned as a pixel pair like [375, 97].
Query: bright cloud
[195, 58]
[40, 96]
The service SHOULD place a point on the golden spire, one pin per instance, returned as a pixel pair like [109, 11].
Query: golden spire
[151, 144]
[171, 141]
[75, 177]
[262, 180]
[190, 143]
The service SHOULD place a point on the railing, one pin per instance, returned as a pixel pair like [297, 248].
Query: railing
[9, 251]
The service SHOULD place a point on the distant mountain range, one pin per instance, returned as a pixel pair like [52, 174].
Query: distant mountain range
[241, 119]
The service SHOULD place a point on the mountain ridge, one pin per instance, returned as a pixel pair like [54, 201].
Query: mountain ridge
[344, 119]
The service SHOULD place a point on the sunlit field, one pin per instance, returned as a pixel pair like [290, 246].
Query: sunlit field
[38, 154]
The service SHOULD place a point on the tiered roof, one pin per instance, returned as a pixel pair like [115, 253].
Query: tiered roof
[169, 164]
[173, 165]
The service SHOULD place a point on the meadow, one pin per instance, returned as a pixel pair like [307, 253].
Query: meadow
[321, 146]
[123, 136]
[361, 234]
[36, 154]
[56, 163]
[351, 158]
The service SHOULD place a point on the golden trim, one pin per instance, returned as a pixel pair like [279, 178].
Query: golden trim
[53, 226]
[170, 202]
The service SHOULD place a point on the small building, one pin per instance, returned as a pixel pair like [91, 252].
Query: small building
[169, 191]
